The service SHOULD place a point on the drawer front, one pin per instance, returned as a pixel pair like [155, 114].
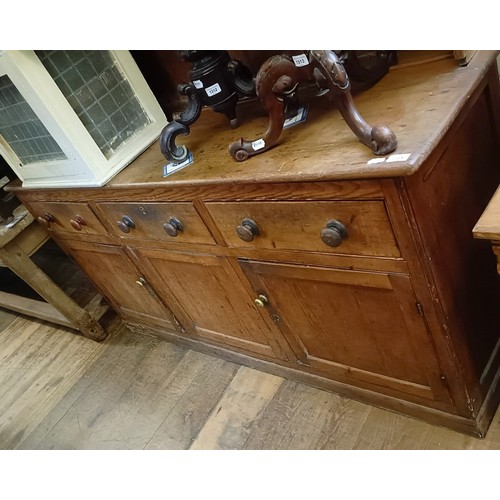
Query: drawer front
[312, 226]
[67, 217]
[177, 222]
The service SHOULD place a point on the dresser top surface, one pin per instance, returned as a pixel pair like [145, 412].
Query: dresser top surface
[418, 102]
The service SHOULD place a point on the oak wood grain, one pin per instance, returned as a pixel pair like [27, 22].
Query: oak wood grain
[39, 363]
[118, 279]
[149, 218]
[437, 89]
[159, 391]
[213, 304]
[200, 383]
[337, 320]
[244, 399]
[63, 214]
[298, 225]
[447, 120]
[302, 418]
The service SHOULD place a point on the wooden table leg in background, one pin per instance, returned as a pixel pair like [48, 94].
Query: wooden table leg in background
[60, 308]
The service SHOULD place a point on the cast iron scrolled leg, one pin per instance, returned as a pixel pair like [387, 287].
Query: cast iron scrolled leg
[180, 126]
[328, 69]
[277, 78]
[172, 152]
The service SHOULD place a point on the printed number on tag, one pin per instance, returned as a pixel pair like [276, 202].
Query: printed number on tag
[173, 167]
[300, 60]
[258, 144]
[213, 90]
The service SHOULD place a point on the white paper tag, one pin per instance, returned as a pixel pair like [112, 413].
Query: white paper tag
[375, 160]
[398, 157]
[198, 84]
[213, 90]
[300, 60]
[15, 220]
[173, 167]
[258, 144]
[298, 118]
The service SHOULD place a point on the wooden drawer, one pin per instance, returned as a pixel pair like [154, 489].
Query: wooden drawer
[67, 217]
[177, 222]
[299, 226]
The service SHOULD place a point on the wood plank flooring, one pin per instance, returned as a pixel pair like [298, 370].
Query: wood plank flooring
[59, 390]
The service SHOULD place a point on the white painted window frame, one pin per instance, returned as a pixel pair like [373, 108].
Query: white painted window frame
[85, 166]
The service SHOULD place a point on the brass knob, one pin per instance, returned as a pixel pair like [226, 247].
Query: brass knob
[247, 230]
[173, 227]
[77, 223]
[261, 301]
[334, 233]
[125, 224]
[46, 219]
[144, 284]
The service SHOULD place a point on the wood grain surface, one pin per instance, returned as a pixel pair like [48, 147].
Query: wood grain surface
[62, 391]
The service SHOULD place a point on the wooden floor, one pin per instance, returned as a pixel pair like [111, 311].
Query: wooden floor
[59, 390]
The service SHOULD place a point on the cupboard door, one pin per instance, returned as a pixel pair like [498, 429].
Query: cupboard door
[361, 328]
[121, 283]
[210, 300]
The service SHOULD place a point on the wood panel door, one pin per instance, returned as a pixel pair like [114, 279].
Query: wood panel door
[361, 328]
[208, 297]
[121, 283]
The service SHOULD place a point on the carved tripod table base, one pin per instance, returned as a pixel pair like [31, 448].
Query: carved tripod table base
[277, 82]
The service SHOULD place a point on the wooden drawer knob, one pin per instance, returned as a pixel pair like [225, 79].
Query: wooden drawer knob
[77, 223]
[334, 233]
[173, 227]
[46, 219]
[247, 230]
[125, 224]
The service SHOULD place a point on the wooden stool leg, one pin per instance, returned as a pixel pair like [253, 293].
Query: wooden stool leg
[18, 261]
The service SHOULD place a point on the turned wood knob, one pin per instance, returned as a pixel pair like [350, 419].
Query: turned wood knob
[247, 230]
[77, 223]
[46, 219]
[173, 227]
[334, 233]
[125, 224]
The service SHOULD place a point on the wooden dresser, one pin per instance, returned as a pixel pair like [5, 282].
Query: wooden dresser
[403, 314]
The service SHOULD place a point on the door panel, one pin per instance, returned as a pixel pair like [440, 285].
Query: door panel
[359, 327]
[209, 298]
[121, 283]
